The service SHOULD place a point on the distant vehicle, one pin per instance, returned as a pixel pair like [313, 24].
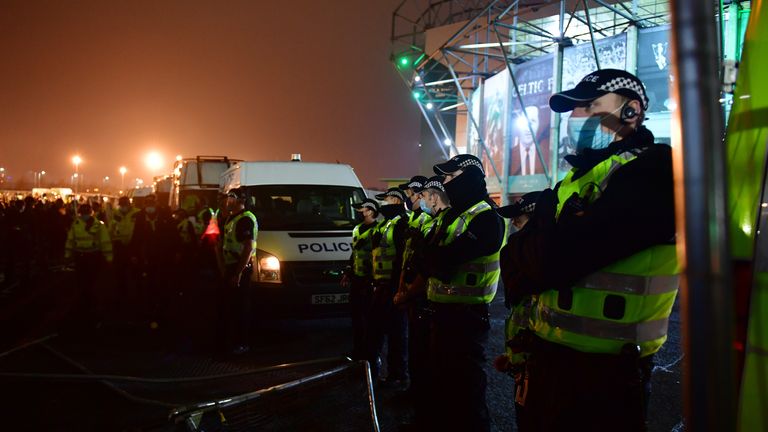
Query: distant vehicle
[51, 193]
[195, 181]
[305, 216]
[137, 195]
[162, 185]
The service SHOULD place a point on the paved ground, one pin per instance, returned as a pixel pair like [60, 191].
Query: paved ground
[182, 348]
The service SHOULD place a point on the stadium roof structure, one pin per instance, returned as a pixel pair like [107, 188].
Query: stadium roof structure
[444, 49]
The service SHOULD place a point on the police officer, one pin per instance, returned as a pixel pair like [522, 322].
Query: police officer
[236, 255]
[516, 326]
[417, 219]
[386, 320]
[359, 275]
[416, 215]
[412, 294]
[463, 274]
[208, 231]
[600, 255]
[89, 246]
[463, 270]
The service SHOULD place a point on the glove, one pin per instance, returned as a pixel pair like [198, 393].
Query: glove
[544, 213]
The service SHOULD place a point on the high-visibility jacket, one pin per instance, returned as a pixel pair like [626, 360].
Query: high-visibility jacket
[190, 203]
[186, 230]
[416, 223]
[384, 255]
[362, 251]
[201, 225]
[121, 226]
[418, 219]
[518, 319]
[628, 301]
[88, 237]
[233, 248]
[475, 281]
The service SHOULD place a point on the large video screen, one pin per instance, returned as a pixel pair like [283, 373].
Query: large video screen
[653, 69]
[495, 130]
[530, 150]
[653, 64]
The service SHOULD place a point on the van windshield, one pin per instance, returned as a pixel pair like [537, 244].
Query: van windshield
[303, 207]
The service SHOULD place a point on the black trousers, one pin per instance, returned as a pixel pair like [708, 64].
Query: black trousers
[89, 305]
[234, 311]
[458, 381]
[596, 392]
[126, 275]
[387, 321]
[419, 316]
[360, 298]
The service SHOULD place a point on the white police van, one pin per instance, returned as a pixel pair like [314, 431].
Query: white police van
[305, 216]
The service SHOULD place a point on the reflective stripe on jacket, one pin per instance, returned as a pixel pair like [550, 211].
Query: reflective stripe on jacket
[362, 251]
[474, 281]
[383, 256]
[628, 301]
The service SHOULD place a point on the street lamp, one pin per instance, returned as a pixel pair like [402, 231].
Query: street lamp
[76, 161]
[38, 180]
[154, 161]
[123, 170]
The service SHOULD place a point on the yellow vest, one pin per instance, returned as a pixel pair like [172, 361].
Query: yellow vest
[475, 281]
[84, 239]
[121, 226]
[232, 248]
[628, 301]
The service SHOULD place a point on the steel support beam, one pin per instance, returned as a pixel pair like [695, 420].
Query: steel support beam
[707, 306]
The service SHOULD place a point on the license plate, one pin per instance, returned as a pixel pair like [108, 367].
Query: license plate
[330, 298]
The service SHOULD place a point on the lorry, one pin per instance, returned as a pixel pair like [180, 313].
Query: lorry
[196, 181]
[305, 220]
[162, 185]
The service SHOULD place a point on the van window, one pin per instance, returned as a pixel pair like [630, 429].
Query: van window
[303, 207]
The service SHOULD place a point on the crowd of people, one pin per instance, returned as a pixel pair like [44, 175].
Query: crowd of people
[127, 262]
[588, 271]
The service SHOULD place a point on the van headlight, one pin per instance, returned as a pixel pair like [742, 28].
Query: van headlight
[267, 267]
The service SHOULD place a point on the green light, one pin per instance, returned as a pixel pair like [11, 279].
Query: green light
[403, 61]
[416, 95]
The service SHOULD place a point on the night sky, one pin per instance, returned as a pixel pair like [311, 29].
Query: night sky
[255, 80]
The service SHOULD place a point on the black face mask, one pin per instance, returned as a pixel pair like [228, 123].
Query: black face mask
[465, 190]
[391, 210]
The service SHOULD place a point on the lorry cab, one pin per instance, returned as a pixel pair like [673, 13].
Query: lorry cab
[195, 182]
[305, 219]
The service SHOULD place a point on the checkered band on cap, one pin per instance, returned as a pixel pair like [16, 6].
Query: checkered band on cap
[471, 162]
[628, 84]
[415, 185]
[435, 185]
[370, 205]
[397, 193]
[528, 208]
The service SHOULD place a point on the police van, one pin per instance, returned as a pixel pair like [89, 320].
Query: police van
[305, 216]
